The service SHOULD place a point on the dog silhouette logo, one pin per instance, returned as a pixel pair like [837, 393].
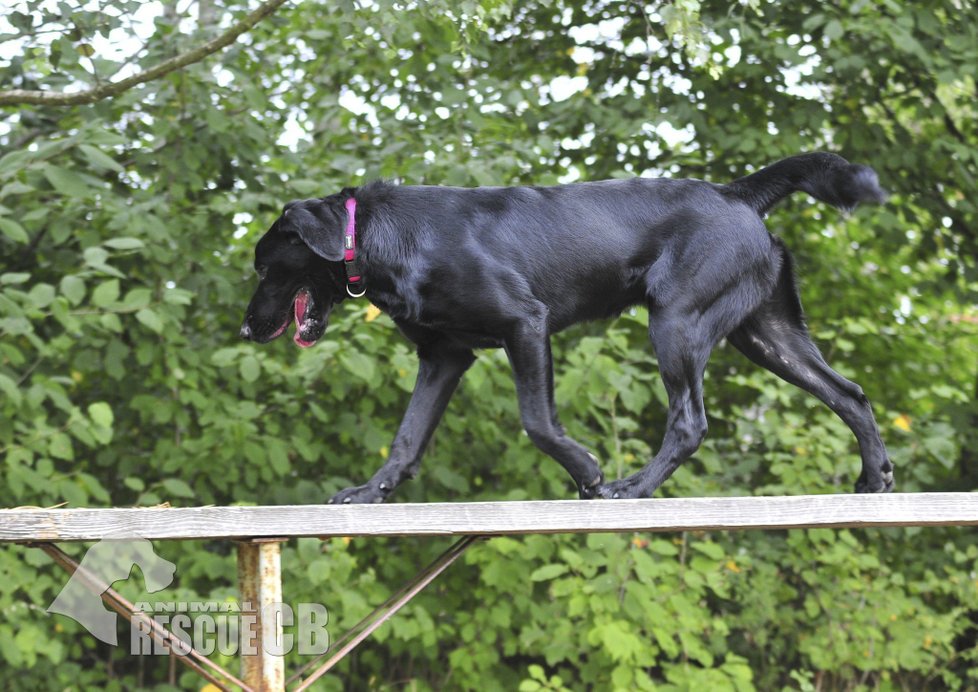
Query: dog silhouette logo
[105, 563]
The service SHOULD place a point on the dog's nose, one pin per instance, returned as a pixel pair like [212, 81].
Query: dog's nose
[245, 332]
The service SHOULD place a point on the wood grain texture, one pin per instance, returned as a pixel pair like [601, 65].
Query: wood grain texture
[467, 518]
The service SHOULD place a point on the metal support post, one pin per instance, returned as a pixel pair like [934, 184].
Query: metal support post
[261, 636]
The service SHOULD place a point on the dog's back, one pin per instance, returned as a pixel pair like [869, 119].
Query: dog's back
[584, 250]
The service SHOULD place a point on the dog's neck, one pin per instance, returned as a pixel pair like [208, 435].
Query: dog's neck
[354, 274]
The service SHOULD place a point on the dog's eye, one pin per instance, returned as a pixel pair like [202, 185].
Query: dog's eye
[262, 272]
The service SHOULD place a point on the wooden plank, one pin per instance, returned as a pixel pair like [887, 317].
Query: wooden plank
[467, 518]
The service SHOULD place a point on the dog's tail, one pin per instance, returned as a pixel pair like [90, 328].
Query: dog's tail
[824, 176]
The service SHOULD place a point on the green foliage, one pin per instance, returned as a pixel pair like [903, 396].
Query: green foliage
[126, 233]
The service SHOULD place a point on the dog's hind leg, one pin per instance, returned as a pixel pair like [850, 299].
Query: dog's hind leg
[528, 348]
[701, 309]
[775, 337]
[682, 354]
[440, 368]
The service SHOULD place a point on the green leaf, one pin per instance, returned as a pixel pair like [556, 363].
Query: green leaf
[96, 258]
[100, 159]
[223, 357]
[13, 161]
[250, 368]
[124, 243]
[661, 546]
[177, 296]
[216, 121]
[712, 550]
[106, 293]
[15, 187]
[41, 296]
[548, 572]
[10, 390]
[150, 319]
[177, 487]
[66, 182]
[95, 134]
[59, 446]
[101, 414]
[13, 230]
[111, 321]
[73, 288]
[137, 298]
[358, 364]
[834, 30]
[618, 640]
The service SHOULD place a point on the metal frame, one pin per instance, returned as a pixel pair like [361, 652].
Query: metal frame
[260, 584]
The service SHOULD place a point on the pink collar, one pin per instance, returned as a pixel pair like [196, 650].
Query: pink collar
[354, 276]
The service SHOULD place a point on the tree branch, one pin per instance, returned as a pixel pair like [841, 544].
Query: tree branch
[50, 98]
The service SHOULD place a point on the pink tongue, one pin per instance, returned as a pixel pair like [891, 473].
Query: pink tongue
[301, 305]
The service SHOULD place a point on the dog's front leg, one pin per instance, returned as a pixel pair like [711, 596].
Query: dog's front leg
[528, 349]
[439, 371]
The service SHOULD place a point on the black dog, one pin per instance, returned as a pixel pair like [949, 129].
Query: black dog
[460, 269]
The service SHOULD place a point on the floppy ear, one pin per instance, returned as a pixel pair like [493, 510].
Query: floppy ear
[318, 224]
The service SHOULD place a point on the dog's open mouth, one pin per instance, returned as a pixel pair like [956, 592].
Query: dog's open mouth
[308, 327]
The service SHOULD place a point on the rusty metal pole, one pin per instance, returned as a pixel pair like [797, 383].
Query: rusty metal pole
[261, 635]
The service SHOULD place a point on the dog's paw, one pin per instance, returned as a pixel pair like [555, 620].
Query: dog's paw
[358, 495]
[885, 483]
[624, 489]
[587, 491]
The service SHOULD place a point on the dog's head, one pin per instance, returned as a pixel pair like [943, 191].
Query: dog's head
[300, 271]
